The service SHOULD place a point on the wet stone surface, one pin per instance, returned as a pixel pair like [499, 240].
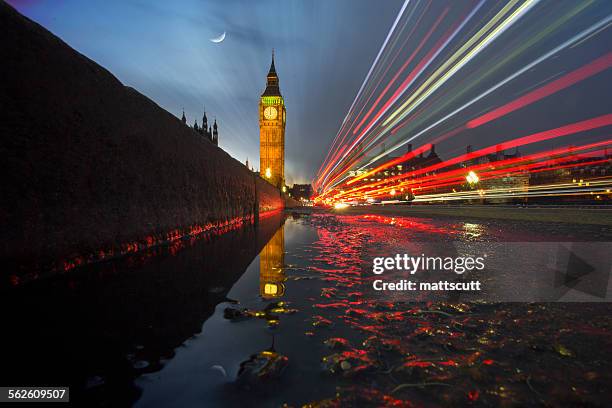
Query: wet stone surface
[330, 345]
[278, 315]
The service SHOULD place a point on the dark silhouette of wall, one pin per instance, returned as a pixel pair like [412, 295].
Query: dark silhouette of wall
[90, 163]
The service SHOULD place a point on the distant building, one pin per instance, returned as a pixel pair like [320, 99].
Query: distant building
[250, 166]
[583, 169]
[581, 172]
[421, 161]
[492, 158]
[301, 191]
[415, 163]
[210, 133]
[494, 185]
[515, 183]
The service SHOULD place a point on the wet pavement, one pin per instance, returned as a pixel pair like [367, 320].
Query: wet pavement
[280, 314]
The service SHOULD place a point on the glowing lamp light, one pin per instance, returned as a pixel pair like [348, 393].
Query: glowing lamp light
[340, 206]
[472, 178]
[393, 192]
[284, 189]
[268, 173]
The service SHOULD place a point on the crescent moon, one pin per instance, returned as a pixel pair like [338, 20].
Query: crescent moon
[218, 39]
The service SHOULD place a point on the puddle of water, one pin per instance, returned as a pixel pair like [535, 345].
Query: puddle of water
[336, 340]
[276, 313]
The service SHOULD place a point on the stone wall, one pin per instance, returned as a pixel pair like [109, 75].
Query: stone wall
[90, 164]
[268, 196]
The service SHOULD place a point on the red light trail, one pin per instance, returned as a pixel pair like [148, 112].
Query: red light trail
[570, 79]
[403, 100]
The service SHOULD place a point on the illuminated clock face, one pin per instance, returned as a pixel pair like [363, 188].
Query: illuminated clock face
[270, 113]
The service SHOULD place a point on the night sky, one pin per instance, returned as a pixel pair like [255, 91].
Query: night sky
[323, 52]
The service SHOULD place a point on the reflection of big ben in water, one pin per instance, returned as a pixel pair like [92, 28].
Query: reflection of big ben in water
[272, 131]
[271, 267]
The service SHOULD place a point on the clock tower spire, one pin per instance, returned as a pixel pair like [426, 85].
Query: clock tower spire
[272, 130]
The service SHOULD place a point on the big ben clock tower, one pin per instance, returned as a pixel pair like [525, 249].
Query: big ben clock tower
[272, 131]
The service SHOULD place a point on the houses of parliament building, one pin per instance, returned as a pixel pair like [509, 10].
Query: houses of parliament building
[272, 119]
[210, 133]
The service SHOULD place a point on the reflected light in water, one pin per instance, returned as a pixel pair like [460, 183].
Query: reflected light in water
[271, 267]
[473, 230]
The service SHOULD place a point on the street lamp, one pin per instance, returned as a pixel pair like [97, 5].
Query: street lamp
[268, 173]
[472, 178]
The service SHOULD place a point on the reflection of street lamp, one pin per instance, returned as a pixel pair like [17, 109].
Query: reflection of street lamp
[268, 173]
[472, 178]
